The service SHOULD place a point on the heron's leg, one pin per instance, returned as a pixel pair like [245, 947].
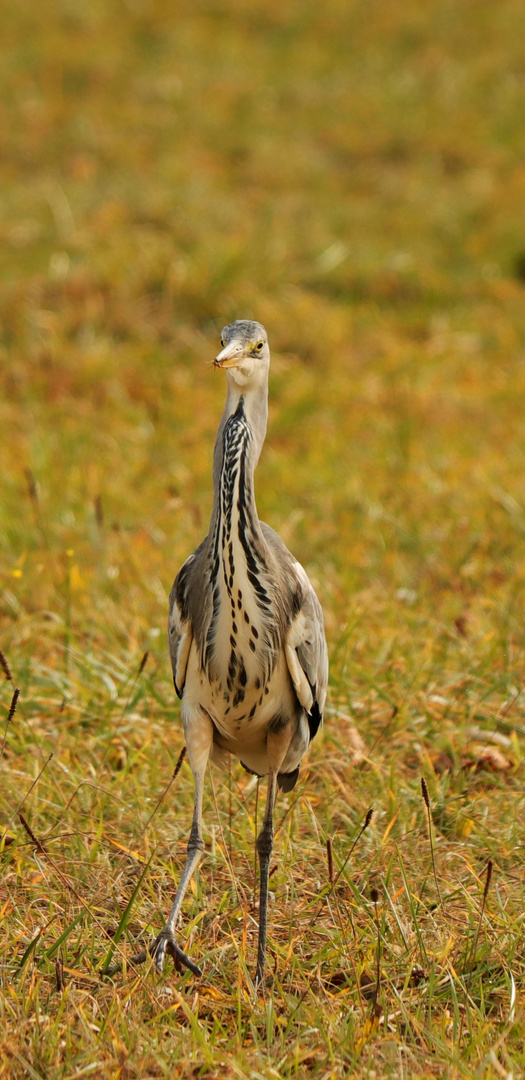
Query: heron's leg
[277, 747]
[199, 739]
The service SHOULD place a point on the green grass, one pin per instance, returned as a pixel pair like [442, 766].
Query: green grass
[351, 175]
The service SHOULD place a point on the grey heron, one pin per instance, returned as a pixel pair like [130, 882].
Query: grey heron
[245, 631]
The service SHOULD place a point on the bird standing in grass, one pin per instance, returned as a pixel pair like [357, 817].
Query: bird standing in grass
[245, 628]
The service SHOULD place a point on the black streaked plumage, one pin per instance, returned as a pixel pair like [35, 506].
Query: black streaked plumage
[245, 629]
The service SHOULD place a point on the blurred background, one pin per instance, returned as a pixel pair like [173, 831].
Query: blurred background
[350, 174]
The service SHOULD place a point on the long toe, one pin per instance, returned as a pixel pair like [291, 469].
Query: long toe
[158, 950]
[165, 943]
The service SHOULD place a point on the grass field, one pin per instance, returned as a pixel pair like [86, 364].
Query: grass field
[352, 175]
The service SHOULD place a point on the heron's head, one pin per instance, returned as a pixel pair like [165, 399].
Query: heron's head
[245, 353]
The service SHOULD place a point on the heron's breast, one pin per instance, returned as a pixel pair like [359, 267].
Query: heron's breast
[244, 708]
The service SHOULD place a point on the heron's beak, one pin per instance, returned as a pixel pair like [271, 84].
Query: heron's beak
[231, 355]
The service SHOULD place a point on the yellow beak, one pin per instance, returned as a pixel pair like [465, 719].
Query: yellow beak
[231, 355]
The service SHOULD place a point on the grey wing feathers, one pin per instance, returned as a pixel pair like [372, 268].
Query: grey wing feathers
[312, 651]
[306, 652]
[180, 633]
[305, 642]
[189, 612]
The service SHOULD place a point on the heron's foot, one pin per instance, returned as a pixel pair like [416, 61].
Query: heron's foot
[165, 944]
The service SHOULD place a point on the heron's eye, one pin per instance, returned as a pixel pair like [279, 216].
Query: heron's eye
[222, 342]
[259, 345]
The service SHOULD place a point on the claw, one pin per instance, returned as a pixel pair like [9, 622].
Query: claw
[165, 943]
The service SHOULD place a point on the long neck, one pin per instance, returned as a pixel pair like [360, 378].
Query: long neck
[237, 449]
[236, 548]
